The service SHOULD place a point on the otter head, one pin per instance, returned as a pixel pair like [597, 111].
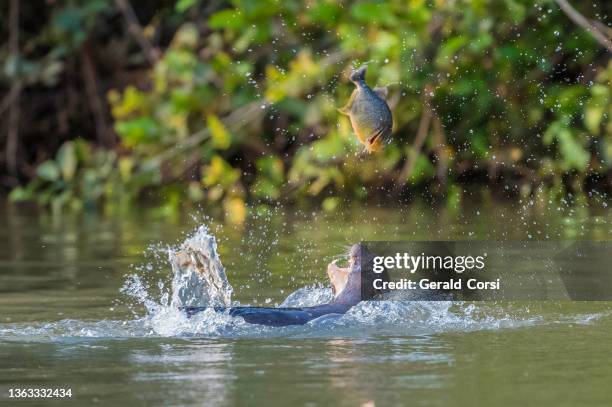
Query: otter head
[346, 281]
[339, 276]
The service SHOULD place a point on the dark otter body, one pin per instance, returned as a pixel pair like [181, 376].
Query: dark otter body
[278, 316]
[348, 294]
[346, 299]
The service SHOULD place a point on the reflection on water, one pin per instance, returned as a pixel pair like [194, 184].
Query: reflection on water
[65, 324]
[199, 371]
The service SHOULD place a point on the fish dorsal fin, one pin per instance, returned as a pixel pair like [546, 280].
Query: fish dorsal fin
[382, 92]
[346, 109]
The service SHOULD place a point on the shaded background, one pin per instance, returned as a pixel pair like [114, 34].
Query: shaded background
[225, 103]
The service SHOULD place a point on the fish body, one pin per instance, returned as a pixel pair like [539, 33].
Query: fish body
[369, 113]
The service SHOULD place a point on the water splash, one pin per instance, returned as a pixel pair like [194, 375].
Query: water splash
[308, 297]
[199, 279]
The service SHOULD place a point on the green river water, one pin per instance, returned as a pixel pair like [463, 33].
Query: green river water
[65, 324]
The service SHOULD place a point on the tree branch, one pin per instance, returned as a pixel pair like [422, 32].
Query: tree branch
[422, 132]
[234, 122]
[12, 139]
[440, 147]
[579, 19]
[150, 52]
[103, 132]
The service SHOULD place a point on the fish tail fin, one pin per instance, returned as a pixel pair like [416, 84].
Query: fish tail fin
[359, 75]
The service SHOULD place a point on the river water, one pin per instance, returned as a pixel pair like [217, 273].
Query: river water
[83, 305]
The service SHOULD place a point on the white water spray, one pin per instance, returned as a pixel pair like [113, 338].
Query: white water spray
[199, 279]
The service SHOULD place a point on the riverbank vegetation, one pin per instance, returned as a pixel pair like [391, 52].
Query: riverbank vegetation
[229, 102]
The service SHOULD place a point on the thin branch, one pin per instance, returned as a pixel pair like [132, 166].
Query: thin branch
[134, 27]
[579, 19]
[607, 31]
[422, 132]
[6, 102]
[12, 140]
[440, 147]
[234, 122]
[103, 132]
[14, 28]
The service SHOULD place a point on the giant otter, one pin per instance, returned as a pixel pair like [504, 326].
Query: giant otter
[345, 284]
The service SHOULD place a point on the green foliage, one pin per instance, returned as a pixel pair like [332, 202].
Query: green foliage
[242, 103]
[270, 178]
[78, 176]
[43, 58]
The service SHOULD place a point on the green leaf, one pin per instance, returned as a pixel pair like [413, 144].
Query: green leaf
[331, 203]
[227, 19]
[422, 169]
[574, 154]
[592, 118]
[449, 49]
[183, 5]
[221, 138]
[373, 12]
[595, 109]
[220, 173]
[66, 159]
[138, 130]
[21, 194]
[325, 12]
[270, 178]
[49, 171]
[271, 168]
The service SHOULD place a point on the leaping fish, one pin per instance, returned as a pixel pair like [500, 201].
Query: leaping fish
[369, 113]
